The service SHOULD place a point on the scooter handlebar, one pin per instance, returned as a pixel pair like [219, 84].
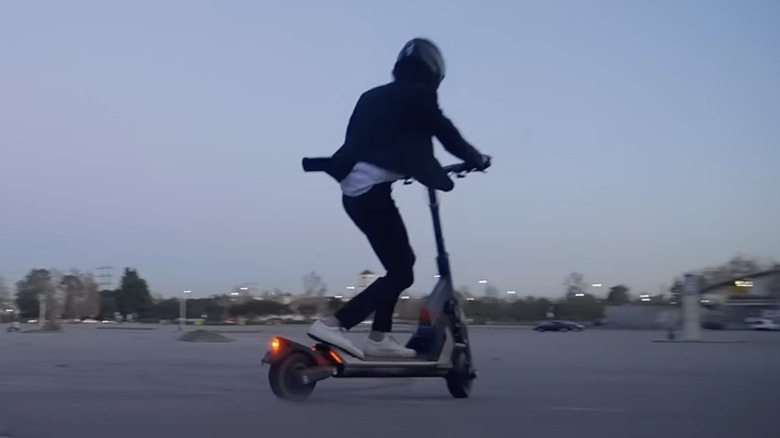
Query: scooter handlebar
[320, 164]
[316, 164]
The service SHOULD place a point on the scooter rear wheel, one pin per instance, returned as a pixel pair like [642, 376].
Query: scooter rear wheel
[459, 379]
[285, 380]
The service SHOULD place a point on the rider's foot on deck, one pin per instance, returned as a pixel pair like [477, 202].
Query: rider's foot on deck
[387, 347]
[334, 336]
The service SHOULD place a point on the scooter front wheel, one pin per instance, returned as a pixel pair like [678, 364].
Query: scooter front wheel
[285, 380]
[460, 378]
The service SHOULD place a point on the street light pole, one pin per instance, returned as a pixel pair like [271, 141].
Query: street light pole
[42, 310]
[183, 310]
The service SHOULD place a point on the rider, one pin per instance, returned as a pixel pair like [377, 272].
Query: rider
[390, 136]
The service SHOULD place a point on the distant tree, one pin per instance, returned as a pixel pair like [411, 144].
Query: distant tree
[618, 295]
[82, 297]
[260, 308]
[484, 309]
[6, 298]
[37, 285]
[168, 308]
[334, 304]
[520, 310]
[307, 309]
[6, 302]
[213, 309]
[575, 284]
[409, 309]
[133, 295]
[108, 305]
[73, 287]
[535, 309]
[584, 308]
[659, 300]
[313, 286]
[463, 293]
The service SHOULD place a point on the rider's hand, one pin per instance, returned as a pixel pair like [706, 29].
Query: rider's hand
[485, 163]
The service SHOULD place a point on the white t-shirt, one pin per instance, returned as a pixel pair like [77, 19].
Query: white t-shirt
[363, 177]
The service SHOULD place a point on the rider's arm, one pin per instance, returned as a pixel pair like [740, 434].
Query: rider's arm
[446, 132]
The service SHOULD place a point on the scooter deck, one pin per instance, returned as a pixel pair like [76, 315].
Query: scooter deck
[351, 360]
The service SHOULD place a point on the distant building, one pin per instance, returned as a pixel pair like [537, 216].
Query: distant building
[727, 303]
[761, 286]
[641, 317]
[365, 279]
[731, 302]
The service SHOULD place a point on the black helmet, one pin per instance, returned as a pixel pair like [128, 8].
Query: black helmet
[420, 56]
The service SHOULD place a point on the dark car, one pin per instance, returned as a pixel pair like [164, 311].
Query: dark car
[558, 326]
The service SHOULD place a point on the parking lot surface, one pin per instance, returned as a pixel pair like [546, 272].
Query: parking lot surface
[89, 381]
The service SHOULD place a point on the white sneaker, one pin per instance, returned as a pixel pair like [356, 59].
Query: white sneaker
[334, 336]
[387, 347]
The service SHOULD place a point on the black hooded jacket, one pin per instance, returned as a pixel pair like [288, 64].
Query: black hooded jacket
[392, 126]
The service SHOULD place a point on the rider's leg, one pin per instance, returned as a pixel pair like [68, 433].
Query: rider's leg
[377, 216]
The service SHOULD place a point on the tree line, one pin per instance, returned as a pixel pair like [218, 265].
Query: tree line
[76, 295]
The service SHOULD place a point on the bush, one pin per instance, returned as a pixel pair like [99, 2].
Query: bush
[713, 325]
[48, 327]
[203, 336]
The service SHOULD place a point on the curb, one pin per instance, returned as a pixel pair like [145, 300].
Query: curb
[700, 341]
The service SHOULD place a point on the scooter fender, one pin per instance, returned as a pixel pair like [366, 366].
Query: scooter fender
[283, 347]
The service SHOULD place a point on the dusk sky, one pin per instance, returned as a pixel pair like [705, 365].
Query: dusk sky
[632, 140]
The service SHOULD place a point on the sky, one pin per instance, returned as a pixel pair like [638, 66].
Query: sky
[632, 140]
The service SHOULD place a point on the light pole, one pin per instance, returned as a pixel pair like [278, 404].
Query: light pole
[183, 310]
[41, 311]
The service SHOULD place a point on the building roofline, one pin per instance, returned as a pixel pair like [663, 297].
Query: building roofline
[741, 277]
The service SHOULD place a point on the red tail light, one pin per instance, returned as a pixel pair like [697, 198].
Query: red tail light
[276, 345]
[425, 316]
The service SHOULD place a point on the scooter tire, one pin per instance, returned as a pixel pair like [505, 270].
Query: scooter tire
[459, 379]
[284, 381]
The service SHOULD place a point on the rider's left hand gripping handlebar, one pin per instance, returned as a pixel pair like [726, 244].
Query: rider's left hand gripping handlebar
[316, 164]
[486, 162]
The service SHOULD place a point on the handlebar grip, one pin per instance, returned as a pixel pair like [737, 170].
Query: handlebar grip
[315, 164]
[458, 168]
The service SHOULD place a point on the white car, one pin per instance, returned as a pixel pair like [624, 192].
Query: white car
[765, 324]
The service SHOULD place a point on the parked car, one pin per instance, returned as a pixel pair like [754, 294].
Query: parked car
[765, 324]
[559, 326]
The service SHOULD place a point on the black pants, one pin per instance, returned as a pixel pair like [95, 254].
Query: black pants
[378, 218]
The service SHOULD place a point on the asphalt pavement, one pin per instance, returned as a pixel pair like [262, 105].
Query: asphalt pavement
[91, 382]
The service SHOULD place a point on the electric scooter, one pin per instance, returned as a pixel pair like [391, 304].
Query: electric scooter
[441, 339]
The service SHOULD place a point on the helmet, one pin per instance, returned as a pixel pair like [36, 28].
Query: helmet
[426, 57]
